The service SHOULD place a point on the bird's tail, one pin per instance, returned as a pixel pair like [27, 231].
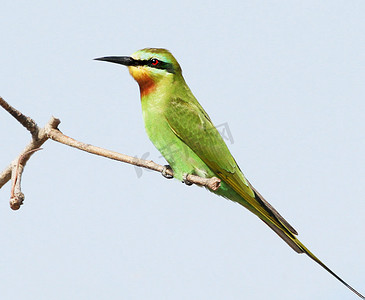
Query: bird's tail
[281, 227]
[254, 202]
[316, 259]
[297, 245]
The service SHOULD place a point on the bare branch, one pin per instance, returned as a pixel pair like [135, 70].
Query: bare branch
[40, 135]
[27, 122]
[54, 134]
[37, 141]
[16, 195]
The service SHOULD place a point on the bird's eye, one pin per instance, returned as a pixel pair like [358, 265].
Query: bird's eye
[154, 62]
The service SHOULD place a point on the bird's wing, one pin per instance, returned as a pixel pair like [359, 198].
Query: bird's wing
[193, 126]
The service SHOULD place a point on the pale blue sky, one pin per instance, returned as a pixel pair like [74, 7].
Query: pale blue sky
[288, 79]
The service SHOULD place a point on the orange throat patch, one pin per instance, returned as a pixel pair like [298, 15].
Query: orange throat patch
[145, 82]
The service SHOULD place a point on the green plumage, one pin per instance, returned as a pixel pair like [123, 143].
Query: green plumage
[184, 134]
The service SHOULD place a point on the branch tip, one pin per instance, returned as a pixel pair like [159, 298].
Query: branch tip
[214, 183]
[17, 201]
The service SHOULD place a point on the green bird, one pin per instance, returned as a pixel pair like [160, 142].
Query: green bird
[183, 132]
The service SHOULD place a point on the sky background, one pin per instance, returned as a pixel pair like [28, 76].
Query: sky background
[287, 77]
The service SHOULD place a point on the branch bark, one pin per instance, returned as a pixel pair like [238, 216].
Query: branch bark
[50, 131]
[16, 194]
[54, 134]
[37, 141]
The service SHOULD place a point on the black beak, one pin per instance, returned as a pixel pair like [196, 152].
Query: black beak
[122, 60]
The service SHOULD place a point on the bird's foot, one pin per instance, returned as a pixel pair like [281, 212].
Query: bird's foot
[185, 180]
[164, 172]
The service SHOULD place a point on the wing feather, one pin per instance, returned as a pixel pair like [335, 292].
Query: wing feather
[199, 134]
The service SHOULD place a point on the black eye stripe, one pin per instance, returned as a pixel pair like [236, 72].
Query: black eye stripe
[155, 63]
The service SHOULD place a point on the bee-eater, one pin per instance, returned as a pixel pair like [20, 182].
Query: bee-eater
[182, 131]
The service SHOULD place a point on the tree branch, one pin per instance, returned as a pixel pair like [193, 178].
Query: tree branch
[54, 134]
[36, 142]
[50, 131]
[16, 195]
[27, 122]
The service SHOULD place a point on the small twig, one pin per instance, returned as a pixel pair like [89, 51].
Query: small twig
[27, 122]
[16, 195]
[37, 142]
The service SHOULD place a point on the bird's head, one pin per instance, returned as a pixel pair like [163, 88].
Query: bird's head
[149, 67]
